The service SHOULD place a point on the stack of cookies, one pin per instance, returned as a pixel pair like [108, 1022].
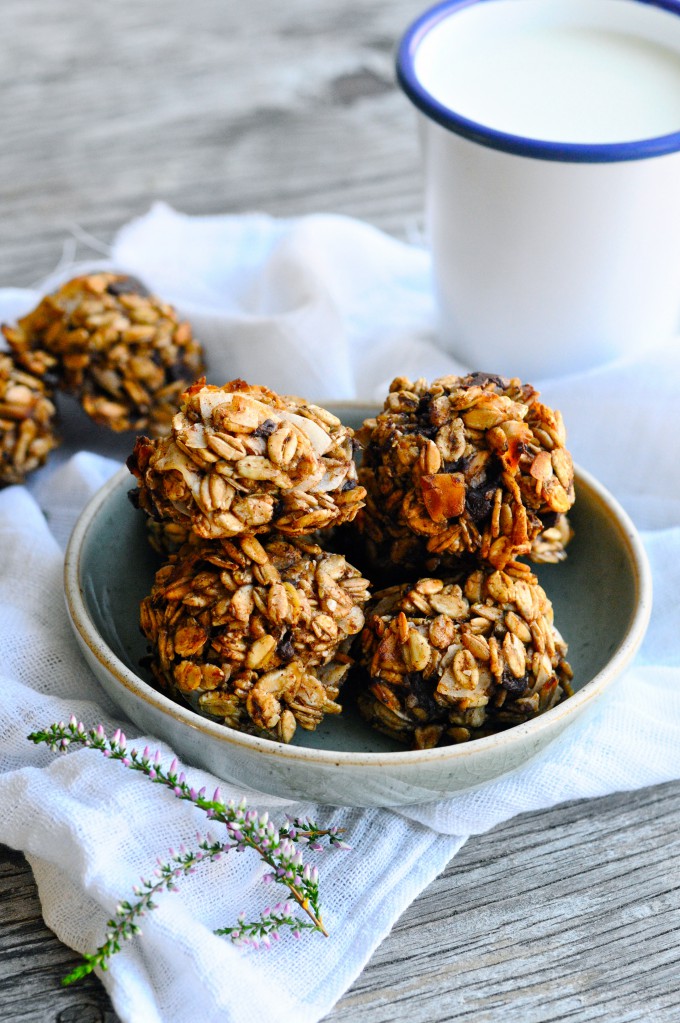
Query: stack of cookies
[250, 621]
[463, 477]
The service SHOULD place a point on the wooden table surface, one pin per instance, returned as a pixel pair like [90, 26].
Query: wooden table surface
[568, 914]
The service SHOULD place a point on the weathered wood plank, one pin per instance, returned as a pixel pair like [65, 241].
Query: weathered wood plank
[282, 108]
[568, 913]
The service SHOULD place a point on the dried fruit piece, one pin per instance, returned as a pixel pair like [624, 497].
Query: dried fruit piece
[121, 351]
[26, 422]
[440, 677]
[279, 463]
[255, 633]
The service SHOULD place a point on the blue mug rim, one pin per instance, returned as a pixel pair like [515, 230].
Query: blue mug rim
[566, 152]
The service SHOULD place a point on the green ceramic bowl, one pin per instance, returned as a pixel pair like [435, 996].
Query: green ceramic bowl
[602, 596]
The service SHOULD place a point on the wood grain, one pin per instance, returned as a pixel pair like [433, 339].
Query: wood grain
[284, 107]
[571, 914]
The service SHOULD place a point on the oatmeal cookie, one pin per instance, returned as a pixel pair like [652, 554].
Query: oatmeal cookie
[255, 633]
[449, 661]
[121, 351]
[243, 459]
[26, 422]
[466, 465]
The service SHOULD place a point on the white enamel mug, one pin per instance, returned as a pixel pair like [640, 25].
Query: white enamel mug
[551, 139]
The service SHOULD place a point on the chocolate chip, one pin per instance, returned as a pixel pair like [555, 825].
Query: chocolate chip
[421, 428]
[265, 429]
[422, 693]
[128, 286]
[285, 648]
[479, 502]
[278, 509]
[479, 379]
[423, 409]
[513, 685]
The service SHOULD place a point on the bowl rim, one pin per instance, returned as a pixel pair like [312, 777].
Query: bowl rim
[457, 753]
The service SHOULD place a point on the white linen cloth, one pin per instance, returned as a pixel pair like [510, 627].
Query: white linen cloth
[333, 308]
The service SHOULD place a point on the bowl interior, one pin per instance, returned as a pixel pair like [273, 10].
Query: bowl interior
[595, 593]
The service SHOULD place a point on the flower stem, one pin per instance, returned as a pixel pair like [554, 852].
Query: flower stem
[245, 829]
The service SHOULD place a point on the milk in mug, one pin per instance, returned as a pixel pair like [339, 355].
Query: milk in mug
[552, 81]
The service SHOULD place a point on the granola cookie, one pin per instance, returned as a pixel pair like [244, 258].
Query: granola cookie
[26, 422]
[449, 661]
[466, 465]
[243, 459]
[120, 350]
[255, 633]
